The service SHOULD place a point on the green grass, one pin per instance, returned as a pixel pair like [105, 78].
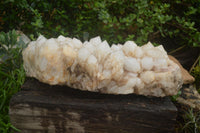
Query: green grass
[189, 121]
[12, 76]
[9, 84]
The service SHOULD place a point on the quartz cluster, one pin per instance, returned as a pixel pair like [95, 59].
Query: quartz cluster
[95, 66]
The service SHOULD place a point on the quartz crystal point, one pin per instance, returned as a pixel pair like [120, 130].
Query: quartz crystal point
[95, 66]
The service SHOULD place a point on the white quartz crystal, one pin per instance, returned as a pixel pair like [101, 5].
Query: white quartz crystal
[95, 66]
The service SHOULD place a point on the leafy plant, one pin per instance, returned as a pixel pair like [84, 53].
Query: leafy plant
[174, 97]
[10, 51]
[196, 73]
[114, 20]
[12, 75]
[191, 122]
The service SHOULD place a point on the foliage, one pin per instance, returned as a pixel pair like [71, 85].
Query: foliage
[191, 122]
[12, 75]
[174, 97]
[114, 20]
[10, 51]
[196, 73]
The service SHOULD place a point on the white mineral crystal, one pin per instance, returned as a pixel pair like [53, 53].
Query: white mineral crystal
[95, 66]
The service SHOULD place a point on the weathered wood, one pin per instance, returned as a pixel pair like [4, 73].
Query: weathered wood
[41, 108]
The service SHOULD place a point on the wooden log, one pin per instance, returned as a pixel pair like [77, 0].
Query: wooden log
[41, 108]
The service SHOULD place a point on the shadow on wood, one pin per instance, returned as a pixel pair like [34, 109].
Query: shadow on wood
[41, 108]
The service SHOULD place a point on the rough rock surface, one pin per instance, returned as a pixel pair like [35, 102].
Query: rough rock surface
[187, 78]
[95, 66]
[189, 97]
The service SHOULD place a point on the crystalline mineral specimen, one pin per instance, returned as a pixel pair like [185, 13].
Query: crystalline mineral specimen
[95, 66]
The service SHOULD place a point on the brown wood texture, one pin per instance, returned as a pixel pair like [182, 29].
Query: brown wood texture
[41, 108]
